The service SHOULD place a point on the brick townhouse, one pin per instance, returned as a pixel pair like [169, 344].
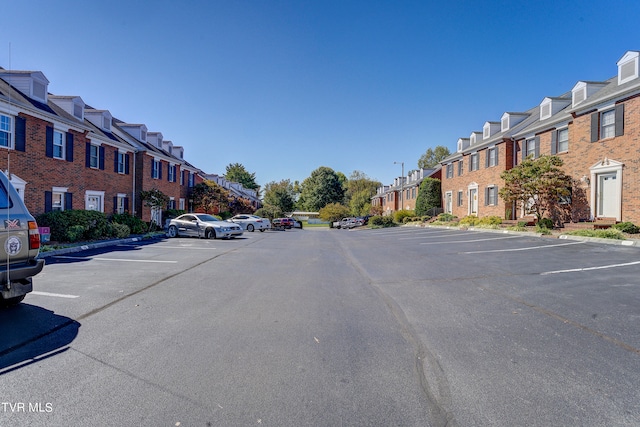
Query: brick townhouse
[593, 128]
[402, 194]
[63, 154]
[55, 155]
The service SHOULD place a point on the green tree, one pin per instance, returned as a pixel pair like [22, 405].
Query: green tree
[428, 196]
[278, 198]
[359, 189]
[433, 156]
[236, 172]
[537, 184]
[324, 186]
[333, 212]
[156, 200]
[211, 197]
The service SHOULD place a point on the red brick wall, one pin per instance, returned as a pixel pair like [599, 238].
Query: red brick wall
[484, 177]
[42, 173]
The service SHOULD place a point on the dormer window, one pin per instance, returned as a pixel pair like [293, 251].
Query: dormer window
[579, 93]
[78, 110]
[509, 120]
[31, 83]
[106, 123]
[490, 129]
[628, 67]
[545, 109]
[583, 90]
[143, 136]
[74, 105]
[39, 90]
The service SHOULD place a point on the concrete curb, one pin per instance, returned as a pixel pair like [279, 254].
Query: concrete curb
[615, 242]
[95, 245]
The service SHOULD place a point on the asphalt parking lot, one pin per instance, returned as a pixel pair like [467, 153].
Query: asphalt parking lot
[405, 326]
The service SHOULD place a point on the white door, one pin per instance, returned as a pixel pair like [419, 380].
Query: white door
[449, 202]
[473, 201]
[607, 195]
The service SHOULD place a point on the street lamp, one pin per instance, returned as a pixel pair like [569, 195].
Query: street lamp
[401, 184]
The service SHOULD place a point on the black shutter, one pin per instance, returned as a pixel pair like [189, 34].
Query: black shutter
[486, 160]
[537, 149]
[153, 162]
[126, 204]
[68, 201]
[619, 119]
[497, 156]
[554, 142]
[126, 163]
[159, 169]
[48, 201]
[87, 157]
[115, 204]
[486, 196]
[49, 142]
[595, 126]
[69, 148]
[115, 160]
[21, 134]
[101, 157]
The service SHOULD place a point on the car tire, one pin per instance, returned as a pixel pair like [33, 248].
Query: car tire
[172, 231]
[11, 302]
[262, 230]
[210, 233]
[250, 228]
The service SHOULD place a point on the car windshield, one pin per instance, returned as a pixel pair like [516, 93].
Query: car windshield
[205, 217]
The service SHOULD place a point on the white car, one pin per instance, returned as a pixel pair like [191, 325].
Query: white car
[251, 222]
[202, 225]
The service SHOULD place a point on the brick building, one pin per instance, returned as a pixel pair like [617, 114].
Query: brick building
[62, 154]
[402, 194]
[594, 128]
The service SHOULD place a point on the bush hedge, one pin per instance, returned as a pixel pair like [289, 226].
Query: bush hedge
[381, 221]
[627, 227]
[79, 225]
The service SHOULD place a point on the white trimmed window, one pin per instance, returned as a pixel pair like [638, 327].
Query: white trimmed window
[6, 131]
[57, 198]
[607, 124]
[562, 140]
[181, 204]
[58, 145]
[122, 158]
[474, 162]
[94, 156]
[156, 169]
[120, 203]
[94, 201]
[492, 156]
[492, 196]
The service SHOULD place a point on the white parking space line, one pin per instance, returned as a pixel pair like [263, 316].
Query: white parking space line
[524, 249]
[49, 294]
[183, 247]
[434, 234]
[602, 267]
[115, 259]
[466, 241]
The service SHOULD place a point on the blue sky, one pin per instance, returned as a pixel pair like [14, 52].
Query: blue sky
[284, 87]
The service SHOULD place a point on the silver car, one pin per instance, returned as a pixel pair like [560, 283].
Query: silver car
[251, 222]
[202, 225]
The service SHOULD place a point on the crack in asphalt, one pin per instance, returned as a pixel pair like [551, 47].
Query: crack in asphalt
[438, 396]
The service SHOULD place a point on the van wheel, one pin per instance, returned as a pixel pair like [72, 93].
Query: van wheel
[10, 302]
